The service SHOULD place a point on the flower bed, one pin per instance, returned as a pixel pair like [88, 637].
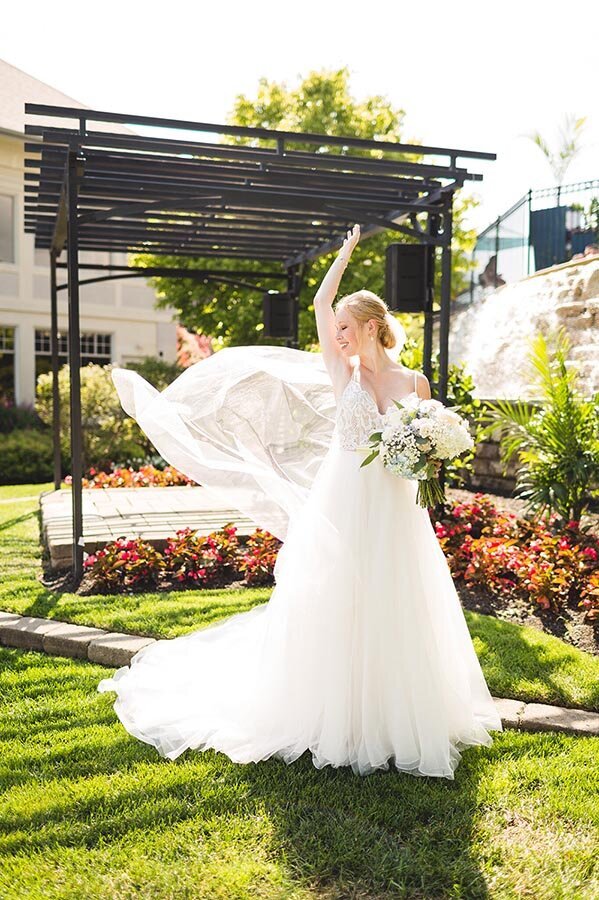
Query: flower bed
[122, 476]
[547, 562]
[188, 560]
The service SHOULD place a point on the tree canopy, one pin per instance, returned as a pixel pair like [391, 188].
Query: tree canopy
[321, 103]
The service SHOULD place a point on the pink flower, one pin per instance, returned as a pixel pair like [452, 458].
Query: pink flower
[590, 553]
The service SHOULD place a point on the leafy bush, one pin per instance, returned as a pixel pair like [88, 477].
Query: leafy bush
[125, 564]
[157, 371]
[551, 564]
[206, 561]
[27, 457]
[557, 442]
[14, 417]
[108, 432]
[258, 561]
[213, 560]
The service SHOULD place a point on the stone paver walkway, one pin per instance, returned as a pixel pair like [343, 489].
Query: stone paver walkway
[116, 649]
[153, 514]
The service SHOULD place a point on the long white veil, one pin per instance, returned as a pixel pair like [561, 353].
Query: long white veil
[251, 424]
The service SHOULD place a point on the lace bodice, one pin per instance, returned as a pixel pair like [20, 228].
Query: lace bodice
[357, 414]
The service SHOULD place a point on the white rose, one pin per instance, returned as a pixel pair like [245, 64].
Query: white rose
[448, 417]
[394, 418]
[410, 402]
[431, 405]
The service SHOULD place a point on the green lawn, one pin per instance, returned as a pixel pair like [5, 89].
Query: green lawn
[86, 811]
[517, 662]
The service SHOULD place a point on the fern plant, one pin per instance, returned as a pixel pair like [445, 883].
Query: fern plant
[557, 439]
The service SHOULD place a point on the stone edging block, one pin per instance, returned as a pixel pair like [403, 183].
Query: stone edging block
[542, 717]
[71, 640]
[26, 632]
[115, 649]
[509, 710]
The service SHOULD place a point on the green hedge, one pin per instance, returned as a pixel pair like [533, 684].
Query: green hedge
[26, 457]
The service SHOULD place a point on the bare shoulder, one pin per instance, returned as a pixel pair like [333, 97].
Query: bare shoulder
[423, 386]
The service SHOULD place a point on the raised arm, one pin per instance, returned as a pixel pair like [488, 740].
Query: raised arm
[334, 360]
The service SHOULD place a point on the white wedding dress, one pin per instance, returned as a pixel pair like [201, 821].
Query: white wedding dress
[362, 655]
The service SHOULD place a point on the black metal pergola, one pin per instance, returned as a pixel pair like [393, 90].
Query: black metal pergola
[104, 189]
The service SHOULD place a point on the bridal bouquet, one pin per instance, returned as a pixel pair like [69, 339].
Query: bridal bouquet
[415, 438]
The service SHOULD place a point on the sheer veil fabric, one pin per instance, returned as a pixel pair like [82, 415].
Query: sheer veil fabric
[251, 424]
[362, 655]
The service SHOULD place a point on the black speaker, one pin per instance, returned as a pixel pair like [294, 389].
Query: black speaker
[277, 315]
[406, 277]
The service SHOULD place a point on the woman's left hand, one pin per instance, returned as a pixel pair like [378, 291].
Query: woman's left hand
[350, 242]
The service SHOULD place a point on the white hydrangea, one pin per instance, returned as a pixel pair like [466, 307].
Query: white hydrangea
[419, 431]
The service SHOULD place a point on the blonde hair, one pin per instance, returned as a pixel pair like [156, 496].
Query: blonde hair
[365, 305]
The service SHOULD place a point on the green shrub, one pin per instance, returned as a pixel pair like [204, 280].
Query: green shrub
[557, 441]
[109, 434]
[27, 457]
[157, 371]
[13, 417]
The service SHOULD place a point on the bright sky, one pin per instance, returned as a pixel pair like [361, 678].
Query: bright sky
[469, 74]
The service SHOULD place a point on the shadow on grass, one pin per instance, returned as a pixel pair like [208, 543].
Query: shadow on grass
[10, 523]
[76, 779]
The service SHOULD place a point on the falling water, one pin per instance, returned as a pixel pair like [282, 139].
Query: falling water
[493, 333]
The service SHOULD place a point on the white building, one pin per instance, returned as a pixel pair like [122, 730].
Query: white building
[117, 318]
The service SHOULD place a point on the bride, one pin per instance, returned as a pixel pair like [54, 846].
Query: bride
[362, 654]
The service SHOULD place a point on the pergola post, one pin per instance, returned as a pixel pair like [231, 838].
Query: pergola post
[427, 351]
[293, 288]
[444, 317]
[55, 391]
[75, 362]
[445, 311]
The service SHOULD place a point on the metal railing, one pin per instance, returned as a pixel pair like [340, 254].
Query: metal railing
[543, 228]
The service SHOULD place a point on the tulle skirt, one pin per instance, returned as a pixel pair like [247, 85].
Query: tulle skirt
[361, 656]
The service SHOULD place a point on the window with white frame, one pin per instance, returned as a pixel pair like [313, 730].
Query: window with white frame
[7, 365]
[95, 348]
[7, 229]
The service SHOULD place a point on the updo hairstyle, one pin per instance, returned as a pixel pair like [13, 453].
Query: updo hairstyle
[365, 305]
